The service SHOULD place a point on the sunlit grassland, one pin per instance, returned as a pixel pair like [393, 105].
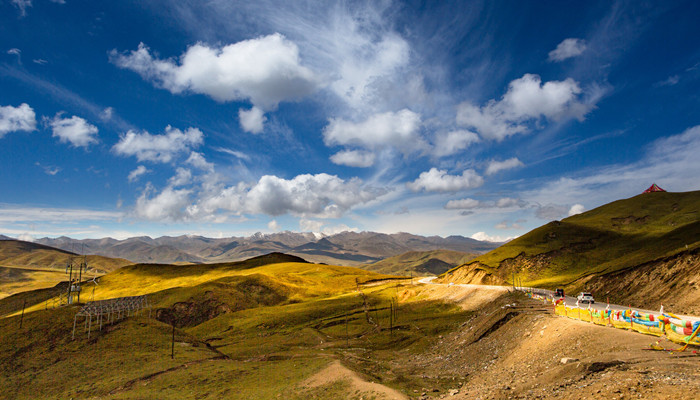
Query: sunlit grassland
[282, 323]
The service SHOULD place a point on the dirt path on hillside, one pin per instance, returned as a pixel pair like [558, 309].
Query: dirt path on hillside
[337, 372]
[521, 350]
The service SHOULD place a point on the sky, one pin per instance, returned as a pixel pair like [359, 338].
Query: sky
[226, 118]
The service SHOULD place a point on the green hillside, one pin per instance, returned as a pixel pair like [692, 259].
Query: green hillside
[29, 266]
[420, 263]
[623, 234]
[274, 319]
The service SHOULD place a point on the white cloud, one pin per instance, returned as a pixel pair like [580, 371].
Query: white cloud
[670, 81]
[168, 205]
[158, 148]
[197, 160]
[264, 70]
[483, 236]
[400, 130]
[25, 237]
[107, 114]
[234, 153]
[39, 61]
[497, 166]
[470, 204]
[252, 120]
[74, 130]
[505, 225]
[48, 169]
[353, 158]
[308, 225]
[183, 176]
[507, 202]
[463, 204]
[318, 227]
[136, 174]
[526, 101]
[321, 195]
[22, 6]
[14, 119]
[437, 180]
[273, 226]
[15, 215]
[568, 48]
[14, 51]
[453, 142]
[576, 209]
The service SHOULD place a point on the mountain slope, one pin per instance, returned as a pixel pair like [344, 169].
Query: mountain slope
[346, 248]
[420, 263]
[29, 266]
[620, 236]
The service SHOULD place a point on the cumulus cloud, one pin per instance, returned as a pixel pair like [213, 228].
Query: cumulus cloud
[265, 70]
[318, 227]
[453, 142]
[169, 205]
[400, 130]
[273, 226]
[25, 237]
[527, 100]
[157, 148]
[498, 166]
[182, 177]
[353, 158]
[21, 118]
[507, 202]
[308, 225]
[568, 48]
[463, 204]
[74, 130]
[321, 196]
[252, 120]
[576, 209]
[137, 173]
[483, 236]
[197, 160]
[437, 180]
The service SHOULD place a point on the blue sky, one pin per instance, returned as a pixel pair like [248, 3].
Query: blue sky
[482, 119]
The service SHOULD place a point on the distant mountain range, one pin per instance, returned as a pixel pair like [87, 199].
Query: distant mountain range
[346, 248]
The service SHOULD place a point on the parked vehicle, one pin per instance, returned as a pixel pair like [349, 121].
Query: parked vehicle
[559, 293]
[585, 297]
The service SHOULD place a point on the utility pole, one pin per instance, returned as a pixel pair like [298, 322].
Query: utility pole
[80, 276]
[70, 281]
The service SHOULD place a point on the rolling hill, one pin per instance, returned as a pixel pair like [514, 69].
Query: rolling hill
[421, 263]
[618, 250]
[27, 265]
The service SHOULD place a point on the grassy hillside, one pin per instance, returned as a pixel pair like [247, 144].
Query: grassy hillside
[274, 320]
[613, 237]
[420, 263]
[29, 266]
